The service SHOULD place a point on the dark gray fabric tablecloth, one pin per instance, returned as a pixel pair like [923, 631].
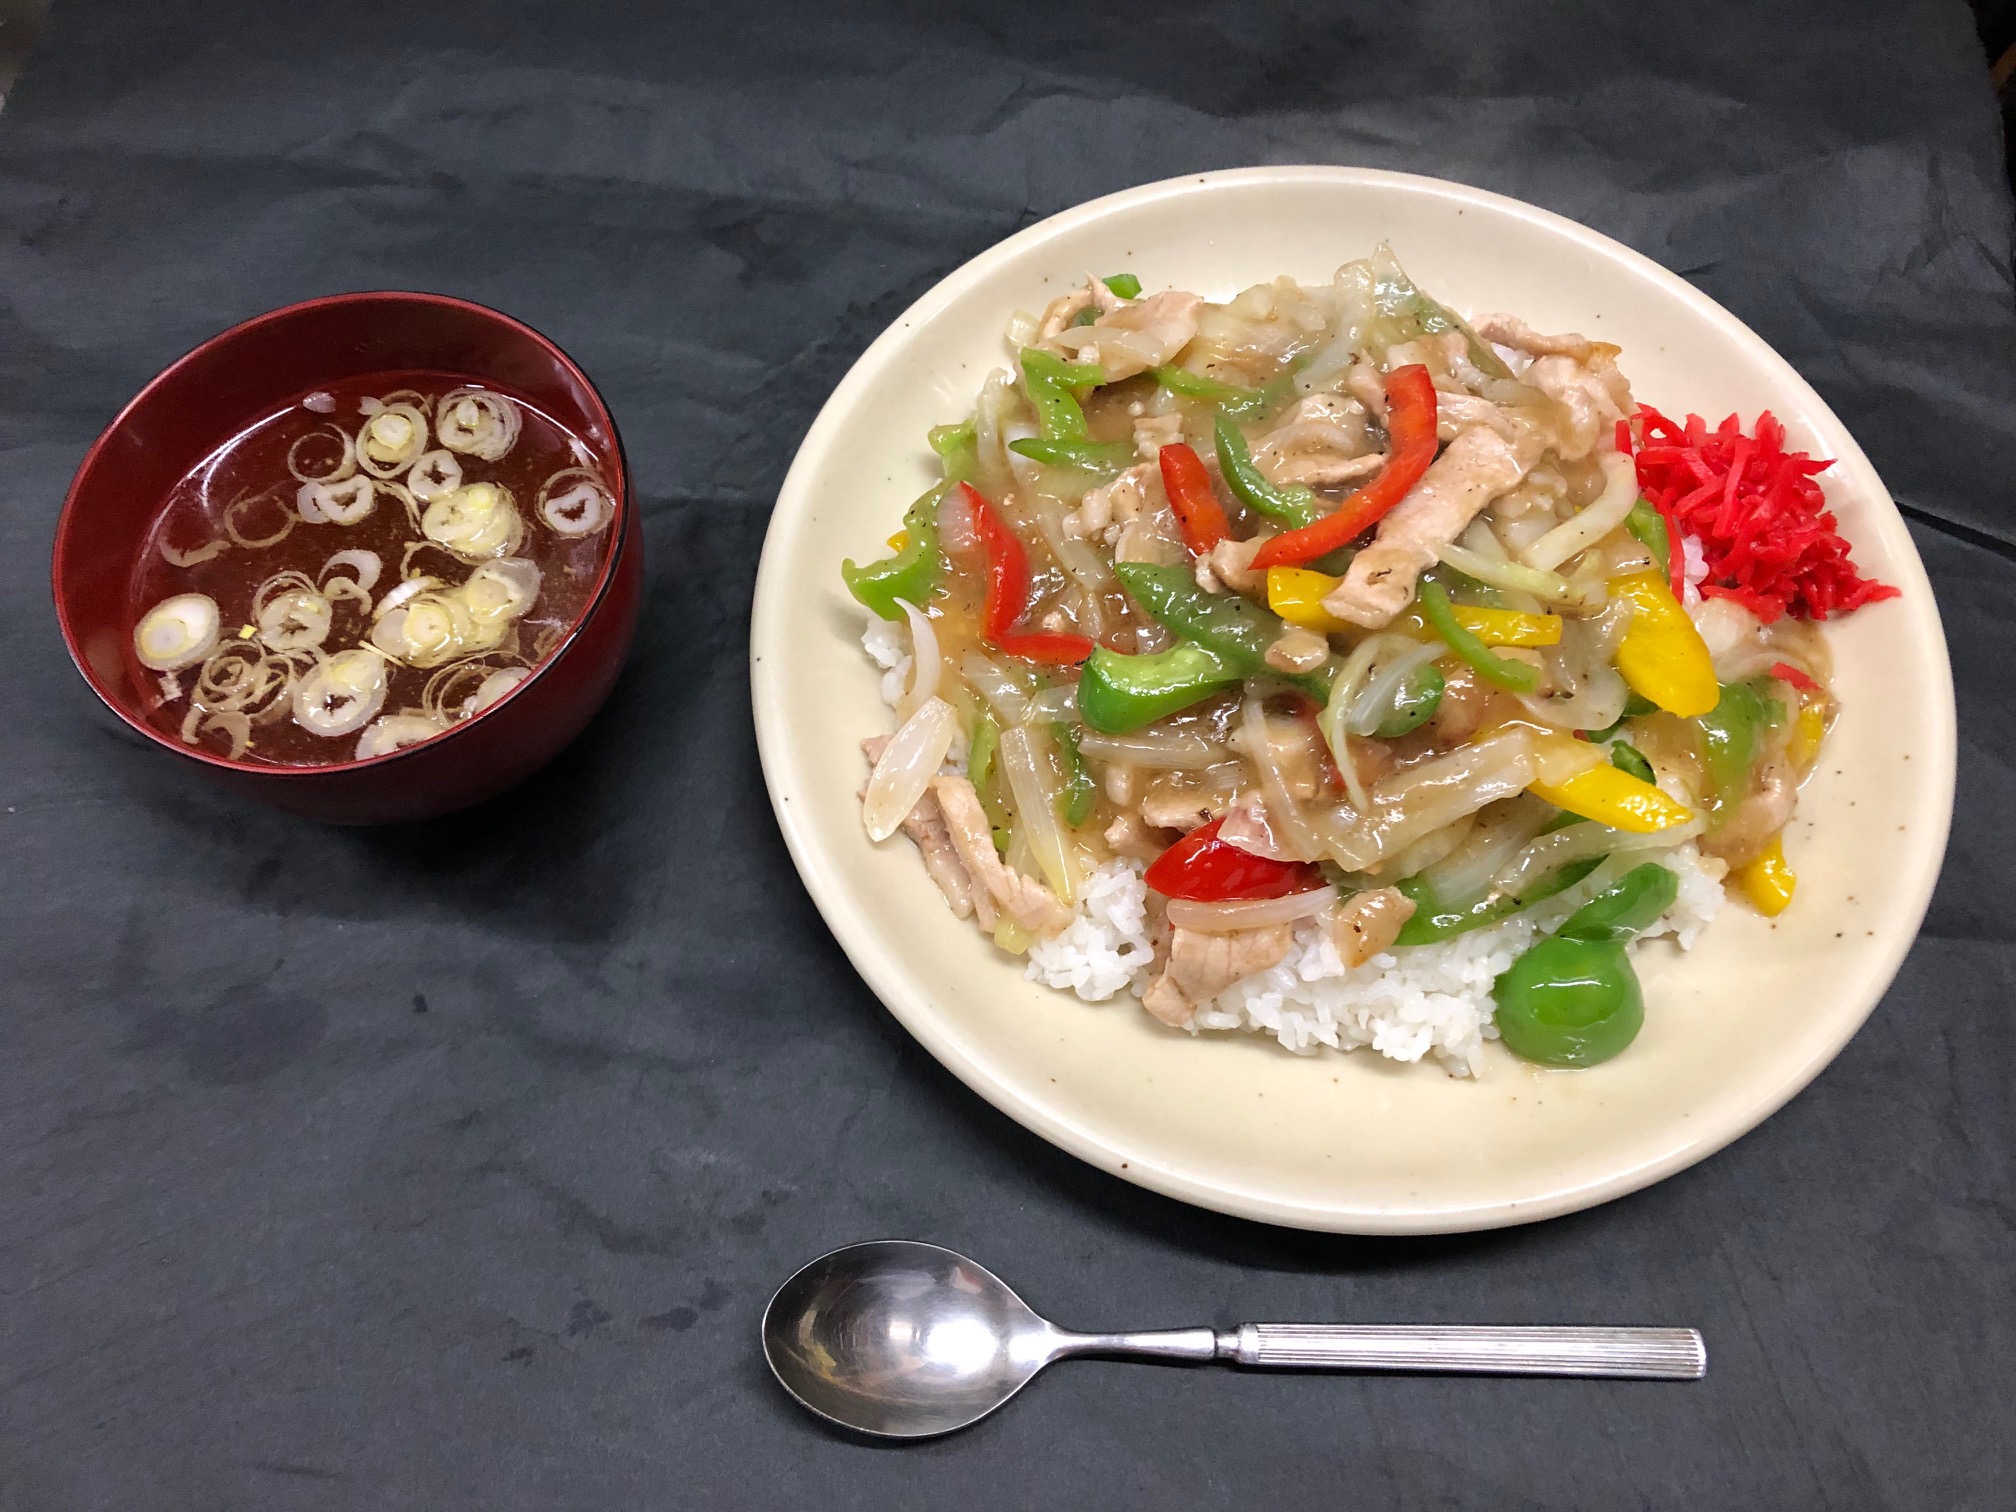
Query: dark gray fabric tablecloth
[449, 1166]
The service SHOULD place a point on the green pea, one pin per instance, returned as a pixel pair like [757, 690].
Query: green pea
[1569, 1002]
[1626, 906]
[1415, 702]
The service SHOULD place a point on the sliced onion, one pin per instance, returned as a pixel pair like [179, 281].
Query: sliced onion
[911, 759]
[1590, 693]
[394, 732]
[428, 630]
[1422, 799]
[477, 423]
[346, 459]
[412, 586]
[1290, 827]
[1010, 703]
[1499, 834]
[1052, 705]
[955, 524]
[342, 694]
[366, 564]
[249, 502]
[1590, 525]
[475, 522]
[178, 632]
[494, 687]
[1331, 723]
[391, 440]
[575, 502]
[1162, 750]
[1374, 703]
[1582, 840]
[1512, 577]
[320, 402]
[295, 620]
[925, 662]
[434, 474]
[345, 503]
[193, 558]
[1224, 918]
[502, 590]
[1036, 790]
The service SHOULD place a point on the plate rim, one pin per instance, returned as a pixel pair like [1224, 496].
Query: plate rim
[909, 1005]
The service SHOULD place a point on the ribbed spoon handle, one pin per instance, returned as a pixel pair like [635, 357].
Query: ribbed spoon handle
[1652, 1354]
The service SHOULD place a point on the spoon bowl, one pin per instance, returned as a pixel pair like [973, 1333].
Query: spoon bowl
[906, 1340]
[902, 1339]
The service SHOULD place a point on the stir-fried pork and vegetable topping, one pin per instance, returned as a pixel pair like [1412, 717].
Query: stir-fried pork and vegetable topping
[1325, 627]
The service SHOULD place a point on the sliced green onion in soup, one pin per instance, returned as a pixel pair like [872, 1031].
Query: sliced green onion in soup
[395, 732]
[342, 694]
[475, 522]
[178, 632]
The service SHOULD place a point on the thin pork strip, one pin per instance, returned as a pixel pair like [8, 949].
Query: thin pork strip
[1511, 331]
[1203, 965]
[1476, 467]
[1025, 900]
[925, 825]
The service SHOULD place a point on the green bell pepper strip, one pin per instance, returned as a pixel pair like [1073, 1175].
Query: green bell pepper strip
[1572, 999]
[958, 451]
[1054, 386]
[980, 751]
[1636, 706]
[1074, 804]
[1503, 671]
[1569, 1003]
[1105, 457]
[1729, 734]
[1434, 921]
[1295, 507]
[1627, 758]
[1126, 285]
[1118, 694]
[1237, 629]
[1415, 702]
[1649, 526]
[1630, 904]
[911, 573]
[1232, 399]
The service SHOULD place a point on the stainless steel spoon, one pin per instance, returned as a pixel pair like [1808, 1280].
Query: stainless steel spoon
[907, 1340]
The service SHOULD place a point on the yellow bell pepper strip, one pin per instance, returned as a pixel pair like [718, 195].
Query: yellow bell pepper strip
[1808, 730]
[1494, 627]
[1662, 655]
[1768, 882]
[1441, 616]
[1616, 798]
[1296, 594]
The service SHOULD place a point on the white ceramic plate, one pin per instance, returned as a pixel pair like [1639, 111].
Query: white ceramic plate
[1356, 1143]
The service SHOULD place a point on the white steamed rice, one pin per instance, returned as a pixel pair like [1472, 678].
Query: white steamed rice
[1405, 1003]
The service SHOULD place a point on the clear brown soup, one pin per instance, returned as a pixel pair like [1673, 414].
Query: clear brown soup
[246, 495]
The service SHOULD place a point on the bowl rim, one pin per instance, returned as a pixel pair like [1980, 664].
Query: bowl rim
[611, 561]
[882, 967]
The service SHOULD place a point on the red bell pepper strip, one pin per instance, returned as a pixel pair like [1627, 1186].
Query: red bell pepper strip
[1198, 511]
[1410, 432]
[1202, 867]
[1008, 592]
[1787, 673]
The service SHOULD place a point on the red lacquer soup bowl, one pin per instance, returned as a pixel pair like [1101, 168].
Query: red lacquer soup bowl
[205, 399]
